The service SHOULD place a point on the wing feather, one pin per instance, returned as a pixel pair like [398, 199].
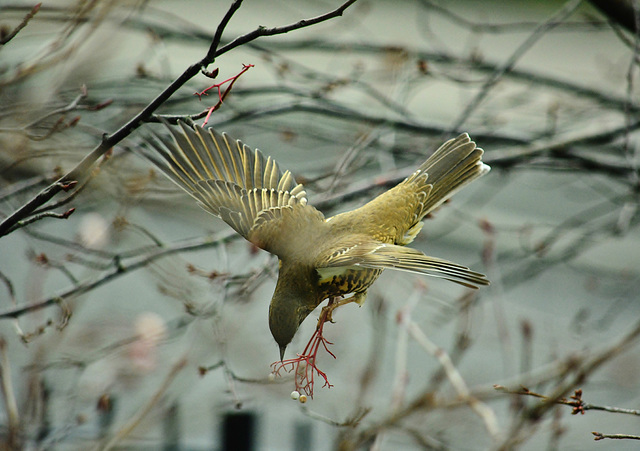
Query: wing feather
[227, 178]
[377, 255]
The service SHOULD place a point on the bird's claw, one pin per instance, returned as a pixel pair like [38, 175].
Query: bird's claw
[326, 315]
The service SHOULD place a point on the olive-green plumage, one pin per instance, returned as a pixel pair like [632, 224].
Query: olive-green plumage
[319, 258]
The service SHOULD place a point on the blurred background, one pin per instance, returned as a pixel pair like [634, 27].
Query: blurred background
[151, 328]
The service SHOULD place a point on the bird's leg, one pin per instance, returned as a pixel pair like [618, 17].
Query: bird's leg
[335, 302]
[325, 313]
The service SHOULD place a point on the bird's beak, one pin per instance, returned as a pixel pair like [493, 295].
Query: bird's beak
[282, 349]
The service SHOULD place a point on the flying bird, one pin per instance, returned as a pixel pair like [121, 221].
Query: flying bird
[319, 257]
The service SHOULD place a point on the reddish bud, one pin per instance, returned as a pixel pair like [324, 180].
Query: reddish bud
[104, 403]
[101, 105]
[486, 226]
[211, 74]
[69, 185]
[423, 67]
[68, 213]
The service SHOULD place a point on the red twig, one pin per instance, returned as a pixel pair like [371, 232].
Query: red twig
[305, 363]
[221, 94]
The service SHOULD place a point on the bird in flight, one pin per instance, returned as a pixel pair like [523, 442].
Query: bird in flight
[319, 258]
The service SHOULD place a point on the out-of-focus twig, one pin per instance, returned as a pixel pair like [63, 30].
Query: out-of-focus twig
[12, 34]
[9, 397]
[135, 420]
[534, 37]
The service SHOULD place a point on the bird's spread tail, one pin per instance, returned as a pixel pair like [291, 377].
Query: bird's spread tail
[455, 164]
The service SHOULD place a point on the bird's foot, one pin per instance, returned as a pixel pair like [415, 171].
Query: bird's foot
[326, 314]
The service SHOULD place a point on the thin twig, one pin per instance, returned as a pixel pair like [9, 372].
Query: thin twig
[515, 27]
[576, 401]
[601, 436]
[146, 408]
[487, 415]
[118, 269]
[534, 37]
[21, 25]
[11, 405]
[39, 216]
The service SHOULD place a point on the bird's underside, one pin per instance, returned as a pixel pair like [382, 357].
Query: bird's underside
[319, 258]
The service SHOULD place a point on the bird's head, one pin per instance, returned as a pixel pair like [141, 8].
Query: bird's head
[290, 305]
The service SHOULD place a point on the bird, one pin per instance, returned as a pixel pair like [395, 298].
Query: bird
[319, 258]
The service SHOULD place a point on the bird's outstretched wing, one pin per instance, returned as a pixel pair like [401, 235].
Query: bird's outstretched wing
[377, 255]
[230, 180]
